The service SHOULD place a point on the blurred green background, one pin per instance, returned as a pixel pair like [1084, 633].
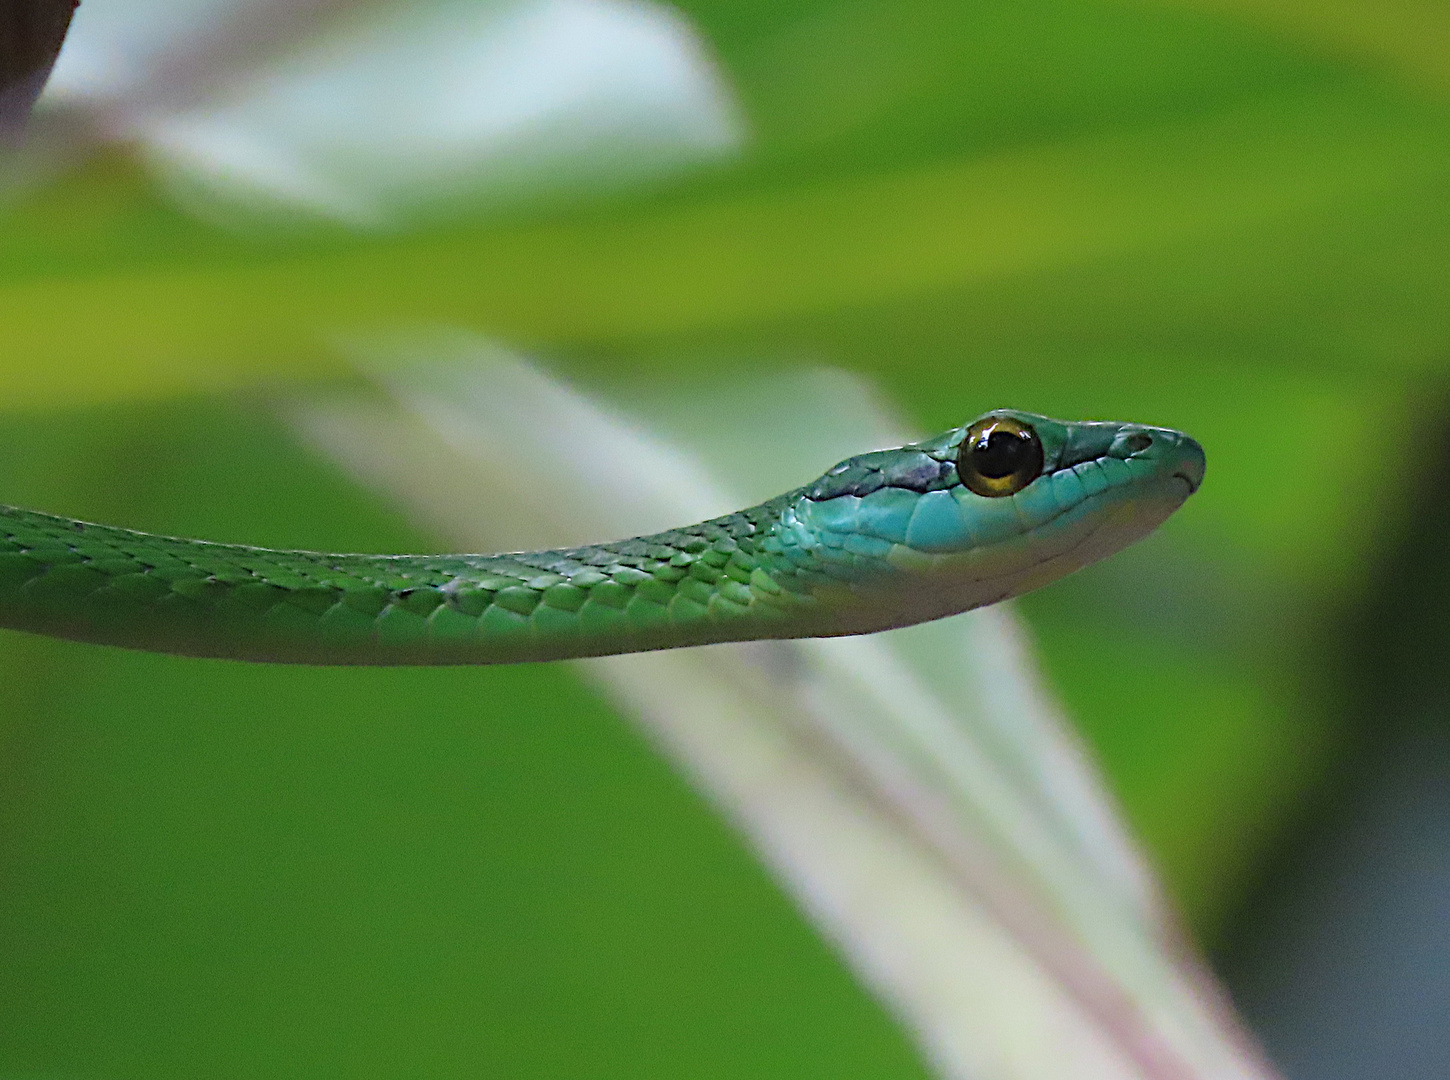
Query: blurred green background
[1229, 217]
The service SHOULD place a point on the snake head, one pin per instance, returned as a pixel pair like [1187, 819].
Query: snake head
[992, 509]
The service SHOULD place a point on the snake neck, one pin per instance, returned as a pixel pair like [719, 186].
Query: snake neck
[726, 579]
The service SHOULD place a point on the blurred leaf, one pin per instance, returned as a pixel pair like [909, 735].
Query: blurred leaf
[866, 84]
[1408, 38]
[700, 266]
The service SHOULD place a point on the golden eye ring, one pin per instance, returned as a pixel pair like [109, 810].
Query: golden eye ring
[999, 456]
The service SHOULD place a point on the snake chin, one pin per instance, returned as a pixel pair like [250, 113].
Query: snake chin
[1094, 529]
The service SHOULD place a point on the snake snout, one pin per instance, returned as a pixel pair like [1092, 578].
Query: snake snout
[1189, 462]
[1178, 455]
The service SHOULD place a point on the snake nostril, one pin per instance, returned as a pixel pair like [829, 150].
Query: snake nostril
[1138, 442]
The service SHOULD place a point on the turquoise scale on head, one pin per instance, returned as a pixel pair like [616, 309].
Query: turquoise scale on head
[1038, 503]
[936, 524]
[886, 513]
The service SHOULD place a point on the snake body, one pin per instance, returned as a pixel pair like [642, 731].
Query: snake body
[884, 539]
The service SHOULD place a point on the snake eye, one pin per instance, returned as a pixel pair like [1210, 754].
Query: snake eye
[999, 456]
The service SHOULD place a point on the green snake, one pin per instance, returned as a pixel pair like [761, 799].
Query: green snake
[975, 515]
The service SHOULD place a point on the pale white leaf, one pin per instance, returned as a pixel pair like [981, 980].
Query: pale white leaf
[381, 113]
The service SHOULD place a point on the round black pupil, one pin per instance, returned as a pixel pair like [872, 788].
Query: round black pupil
[1000, 454]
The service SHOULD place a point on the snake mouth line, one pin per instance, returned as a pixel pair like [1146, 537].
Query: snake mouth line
[1192, 487]
[1083, 508]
